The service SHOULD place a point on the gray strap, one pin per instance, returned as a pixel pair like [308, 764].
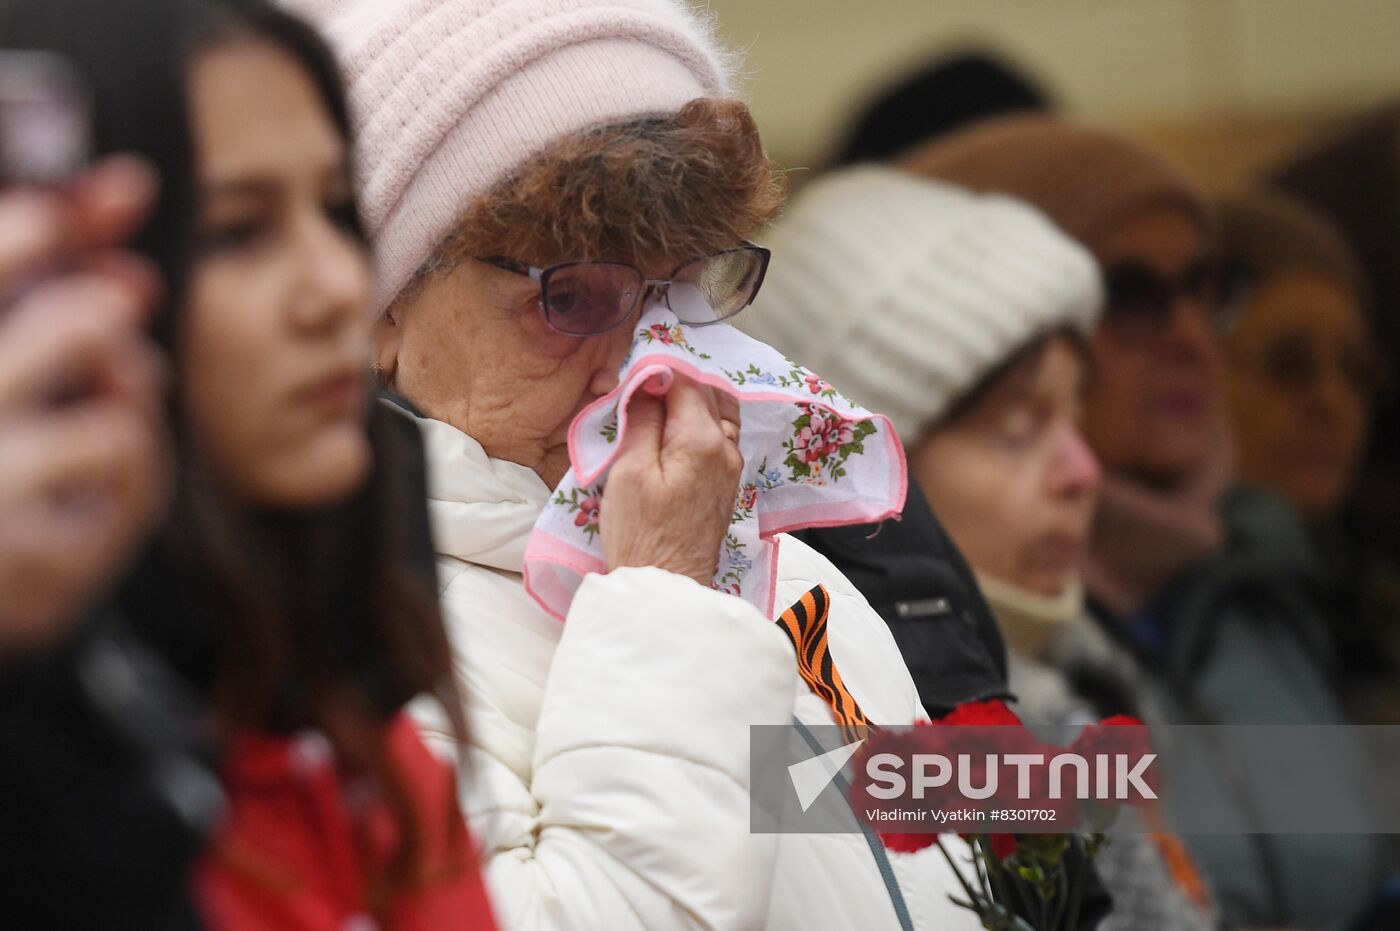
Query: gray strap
[872, 840]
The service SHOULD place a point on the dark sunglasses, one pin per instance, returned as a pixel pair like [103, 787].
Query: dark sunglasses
[1140, 301]
[586, 298]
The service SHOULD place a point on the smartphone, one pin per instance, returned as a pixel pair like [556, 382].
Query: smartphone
[45, 138]
[45, 119]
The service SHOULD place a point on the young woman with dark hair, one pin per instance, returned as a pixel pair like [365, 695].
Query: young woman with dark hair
[293, 585]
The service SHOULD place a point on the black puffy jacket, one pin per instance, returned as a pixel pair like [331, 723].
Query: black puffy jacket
[912, 573]
[106, 788]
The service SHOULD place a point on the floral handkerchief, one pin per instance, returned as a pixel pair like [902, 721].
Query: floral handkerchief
[812, 458]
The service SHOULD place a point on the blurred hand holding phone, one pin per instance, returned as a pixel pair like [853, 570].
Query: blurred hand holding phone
[82, 459]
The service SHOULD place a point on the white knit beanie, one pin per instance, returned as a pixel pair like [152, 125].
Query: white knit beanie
[905, 293]
[450, 96]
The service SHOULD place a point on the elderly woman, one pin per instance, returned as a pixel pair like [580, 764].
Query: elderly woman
[527, 169]
[1203, 586]
[985, 368]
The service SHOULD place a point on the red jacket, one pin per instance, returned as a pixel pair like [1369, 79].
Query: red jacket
[287, 858]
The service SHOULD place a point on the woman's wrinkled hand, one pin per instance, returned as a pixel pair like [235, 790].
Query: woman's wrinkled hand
[670, 495]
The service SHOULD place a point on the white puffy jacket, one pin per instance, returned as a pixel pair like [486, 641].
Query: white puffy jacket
[608, 780]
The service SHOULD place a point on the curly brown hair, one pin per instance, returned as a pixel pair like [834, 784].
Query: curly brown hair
[648, 191]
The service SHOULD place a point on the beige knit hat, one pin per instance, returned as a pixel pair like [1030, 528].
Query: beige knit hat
[1083, 178]
[1270, 234]
[450, 96]
[905, 293]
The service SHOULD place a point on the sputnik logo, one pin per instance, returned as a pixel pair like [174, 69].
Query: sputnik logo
[811, 777]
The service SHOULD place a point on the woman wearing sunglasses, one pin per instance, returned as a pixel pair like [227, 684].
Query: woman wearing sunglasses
[1205, 587]
[554, 169]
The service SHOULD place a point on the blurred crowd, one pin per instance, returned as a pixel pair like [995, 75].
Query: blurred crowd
[288, 366]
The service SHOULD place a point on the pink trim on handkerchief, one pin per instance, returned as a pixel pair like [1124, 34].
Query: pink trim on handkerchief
[550, 565]
[812, 458]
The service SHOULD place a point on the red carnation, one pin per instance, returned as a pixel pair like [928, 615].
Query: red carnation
[1119, 734]
[981, 713]
[908, 843]
[1003, 845]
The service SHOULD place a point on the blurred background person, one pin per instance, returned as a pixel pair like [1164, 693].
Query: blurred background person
[1303, 369]
[1302, 365]
[104, 799]
[1351, 175]
[1205, 587]
[948, 93]
[966, 318]
[292, 584]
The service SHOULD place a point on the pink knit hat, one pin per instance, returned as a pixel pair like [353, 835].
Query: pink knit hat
[450, 96]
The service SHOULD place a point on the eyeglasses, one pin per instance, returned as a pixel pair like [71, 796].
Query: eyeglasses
[1140, 301]
[587, 298]
[1299, 364]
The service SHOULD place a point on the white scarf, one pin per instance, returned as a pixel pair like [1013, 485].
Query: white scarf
[1030, 621]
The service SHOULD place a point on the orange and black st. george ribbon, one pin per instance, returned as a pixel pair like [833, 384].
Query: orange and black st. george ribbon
[805, 625]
